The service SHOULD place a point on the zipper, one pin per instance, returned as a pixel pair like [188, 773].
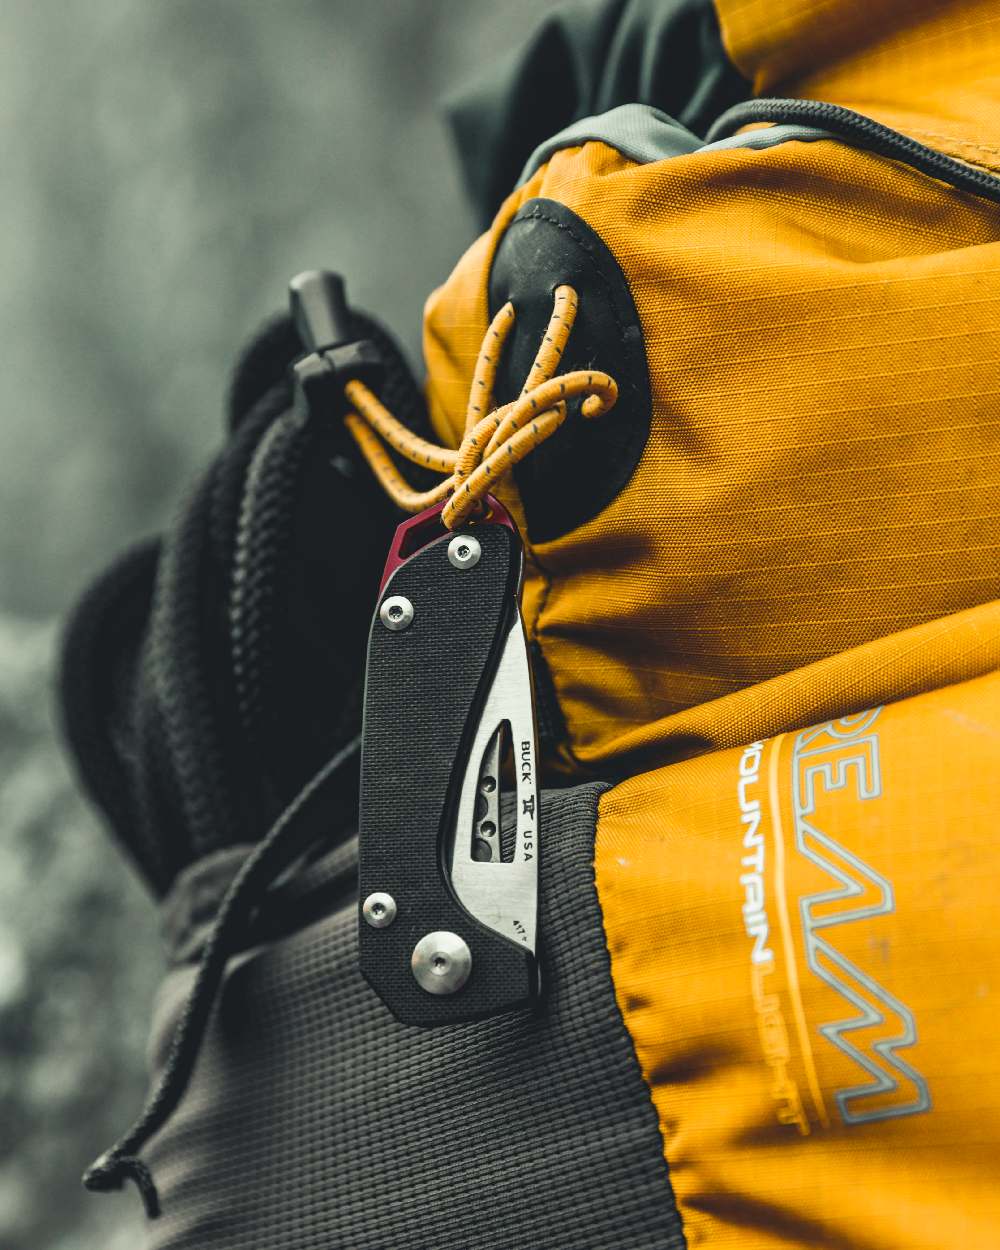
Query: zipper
[864, 132]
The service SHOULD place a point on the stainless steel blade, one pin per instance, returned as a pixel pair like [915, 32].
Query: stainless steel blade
[486, 825]
[502, 895]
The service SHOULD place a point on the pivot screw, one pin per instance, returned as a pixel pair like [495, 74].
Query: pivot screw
[441, 963]
[396, 613]
[379, 910]
[464, 551]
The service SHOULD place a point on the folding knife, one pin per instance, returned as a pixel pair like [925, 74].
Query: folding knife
[448, 893]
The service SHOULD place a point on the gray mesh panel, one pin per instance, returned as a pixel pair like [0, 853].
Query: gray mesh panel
[314, 1120]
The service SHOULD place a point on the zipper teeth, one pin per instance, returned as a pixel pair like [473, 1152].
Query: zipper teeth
[868, 133]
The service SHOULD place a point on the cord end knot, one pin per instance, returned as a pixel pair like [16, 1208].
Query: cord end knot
[112, 1170]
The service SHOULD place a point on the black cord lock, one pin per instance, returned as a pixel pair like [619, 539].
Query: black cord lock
[334, 354]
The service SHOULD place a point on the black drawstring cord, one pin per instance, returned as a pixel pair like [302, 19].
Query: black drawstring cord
[289, 836]
[867, 133]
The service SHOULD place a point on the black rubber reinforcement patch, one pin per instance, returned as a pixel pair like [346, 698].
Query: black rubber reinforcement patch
[315, 1121]
[581, 468]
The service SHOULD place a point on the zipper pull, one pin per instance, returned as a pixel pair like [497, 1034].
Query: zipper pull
[334, 354]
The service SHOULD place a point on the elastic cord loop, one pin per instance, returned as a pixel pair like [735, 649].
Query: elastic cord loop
[493, 443]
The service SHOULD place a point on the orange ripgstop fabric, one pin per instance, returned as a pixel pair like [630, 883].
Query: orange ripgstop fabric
[926, 67]
[803, 947]
[785, 630]
[821, 330]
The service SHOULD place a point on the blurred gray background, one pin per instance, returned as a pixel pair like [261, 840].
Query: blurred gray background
[166, 168]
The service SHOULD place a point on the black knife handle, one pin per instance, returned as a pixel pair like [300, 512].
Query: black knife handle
[424, 692]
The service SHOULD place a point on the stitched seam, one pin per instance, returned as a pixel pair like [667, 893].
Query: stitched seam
[660, 1121]
[538, 215]
[959, 143]
[548, 579]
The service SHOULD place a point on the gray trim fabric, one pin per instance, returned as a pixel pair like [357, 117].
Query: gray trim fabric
[314, 1121]
[643, 134]
[584, 58]
[639, 132]
[770, 137]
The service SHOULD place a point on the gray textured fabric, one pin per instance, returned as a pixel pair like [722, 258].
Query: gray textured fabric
[639, 132]
[315, 1121]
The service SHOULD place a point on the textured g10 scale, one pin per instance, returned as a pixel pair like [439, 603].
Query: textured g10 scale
[426, 688]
